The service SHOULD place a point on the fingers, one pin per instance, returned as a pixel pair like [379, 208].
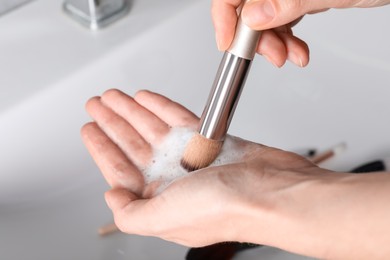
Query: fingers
[113, 163]
[277, 46]
[123, 134]
[297, 50]
[130, 213]
[224, 17]
[272, 48]
[151, 127]
[126, 130]
[118, 199]
[266, 14]
[170, 112]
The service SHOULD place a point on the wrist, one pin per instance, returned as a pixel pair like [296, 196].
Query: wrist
[324, 215]
[283, 215]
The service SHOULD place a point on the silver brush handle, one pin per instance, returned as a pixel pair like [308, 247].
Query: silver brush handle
[224, 96]
[228, 83]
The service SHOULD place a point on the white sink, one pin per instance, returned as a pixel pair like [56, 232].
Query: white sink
[51, 192]
[9, 5]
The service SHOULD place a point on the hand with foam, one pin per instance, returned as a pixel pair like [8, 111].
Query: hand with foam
[264, 196]
[125, 131]
[198, 209]
[276, 19]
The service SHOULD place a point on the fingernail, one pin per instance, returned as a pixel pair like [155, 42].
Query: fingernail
[271, 60]
[218, 42]
[107, 201]
[295, 59]
[257, 13]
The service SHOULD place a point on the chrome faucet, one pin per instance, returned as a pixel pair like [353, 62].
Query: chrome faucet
[96, 14]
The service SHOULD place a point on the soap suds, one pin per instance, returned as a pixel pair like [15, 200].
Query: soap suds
[165, 165]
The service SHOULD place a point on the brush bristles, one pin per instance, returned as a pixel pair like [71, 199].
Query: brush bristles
[200, 152]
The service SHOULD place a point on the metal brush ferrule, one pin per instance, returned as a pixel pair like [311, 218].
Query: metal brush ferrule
[224, 96]
[245, 41]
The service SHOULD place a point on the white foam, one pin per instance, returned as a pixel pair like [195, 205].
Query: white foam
[165, 165]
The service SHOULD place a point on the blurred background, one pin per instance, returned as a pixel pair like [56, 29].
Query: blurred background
[51, 192]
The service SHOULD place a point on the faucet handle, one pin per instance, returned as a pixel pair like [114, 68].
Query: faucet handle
[96, 14]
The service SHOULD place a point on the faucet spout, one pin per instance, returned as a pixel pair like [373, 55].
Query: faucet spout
[96, 14]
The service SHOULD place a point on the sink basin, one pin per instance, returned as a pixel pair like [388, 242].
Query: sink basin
[51, 192]
[9, 5]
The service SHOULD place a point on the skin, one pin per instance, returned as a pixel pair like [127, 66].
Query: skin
[277, 43]
[270, 197]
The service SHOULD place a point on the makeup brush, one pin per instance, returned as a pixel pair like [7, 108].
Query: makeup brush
[206, 144]
[108, 229]
[334, 151]
[374, 166]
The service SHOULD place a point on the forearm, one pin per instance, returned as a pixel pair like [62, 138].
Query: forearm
[332, 216]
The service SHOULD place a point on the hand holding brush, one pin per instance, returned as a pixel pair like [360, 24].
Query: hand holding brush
[205, 146]
[240, 44]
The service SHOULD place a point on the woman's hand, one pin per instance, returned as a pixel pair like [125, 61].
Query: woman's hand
[208, 206]
[276, 19]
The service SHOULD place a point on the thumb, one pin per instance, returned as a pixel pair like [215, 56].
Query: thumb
[266, 14]
[130, 213]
